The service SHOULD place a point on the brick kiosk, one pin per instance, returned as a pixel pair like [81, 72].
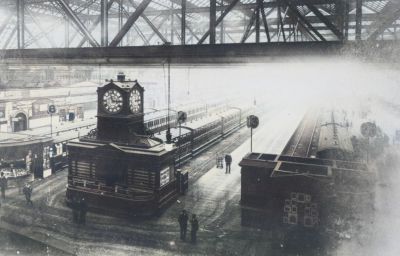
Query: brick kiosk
[118, 168]
[284, 190]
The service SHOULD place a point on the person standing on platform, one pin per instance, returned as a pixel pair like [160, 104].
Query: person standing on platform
[195, 226]
[82, 211]
[228, 161]
[75, 212]
[183, 220]
[28, 193]
[3, 185]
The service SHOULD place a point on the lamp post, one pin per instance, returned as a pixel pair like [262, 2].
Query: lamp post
[168, 134]
[181, 118]
[252, 123]
[51, 110]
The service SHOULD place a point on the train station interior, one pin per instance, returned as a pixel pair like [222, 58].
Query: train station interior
[194, 127]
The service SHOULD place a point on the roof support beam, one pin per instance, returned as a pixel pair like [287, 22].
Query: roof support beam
[324, 19]
[390, 13]
[10, 37]
[128, 24]
[104, 22]
[72, 16]
[188, 28]
[183, 22]
[227, 53]
[5, 23]
[43, 34]
[264, 17]
[158, 27]
[259, 6]
[306, 31]
[280, 23]
[21, 23]
[42, 30]
[95, 23]
[213, 18]
[220, 18]
[358, 19]
[303, 19]
[148, 21]
[34, 39]
[247, 33]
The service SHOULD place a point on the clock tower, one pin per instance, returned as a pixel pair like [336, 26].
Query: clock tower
[118, 167]
[120, 114]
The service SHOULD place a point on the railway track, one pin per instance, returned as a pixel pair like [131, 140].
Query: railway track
[304, 140]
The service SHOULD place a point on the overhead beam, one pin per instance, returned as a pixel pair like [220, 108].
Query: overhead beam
[264, 18]
[247, 32]
[325, 20]
[358, 19]
[34, 38]
[220, 18]
[259, 6]
[213, 18]
[78, 23]
[158, 27]
[148, 21]
[42, 30]
[20, 24]
[6, 21]
[128, 24]
[10, 37]
[183, 22]
[280, 23]
[188, 28]
[389, 14]
[95, 23]
[155, 55]
[104, 22]
[293, 8]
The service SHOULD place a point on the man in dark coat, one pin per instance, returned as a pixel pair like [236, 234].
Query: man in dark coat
[75, 209]
[82, 211]
[183, 220]
[3, 185]
[28, 193]
[195, 226]
[228, 161]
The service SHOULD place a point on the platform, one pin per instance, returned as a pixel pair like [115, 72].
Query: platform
[213, 195]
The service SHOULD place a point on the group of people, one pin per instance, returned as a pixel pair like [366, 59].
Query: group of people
[27, 190]
[183, 224]
[79, 210]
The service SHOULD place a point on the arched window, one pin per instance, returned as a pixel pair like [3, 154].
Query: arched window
[20, 122]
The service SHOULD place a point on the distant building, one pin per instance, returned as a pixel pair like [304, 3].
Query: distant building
[27, 108]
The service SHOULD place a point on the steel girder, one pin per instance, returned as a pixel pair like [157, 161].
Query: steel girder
[389, 14]
[193, 54]
[75, 19]
[131, 20]
[20, 24]
[291, 20]
[155, 55]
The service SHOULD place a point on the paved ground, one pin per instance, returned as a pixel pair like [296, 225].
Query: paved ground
[214, 196]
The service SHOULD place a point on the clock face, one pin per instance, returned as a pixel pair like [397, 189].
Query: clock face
[135, 101]
[112, 101]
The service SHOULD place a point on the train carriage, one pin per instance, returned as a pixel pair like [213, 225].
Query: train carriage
[334, 138]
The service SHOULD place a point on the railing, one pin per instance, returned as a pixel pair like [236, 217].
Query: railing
[115, 191]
